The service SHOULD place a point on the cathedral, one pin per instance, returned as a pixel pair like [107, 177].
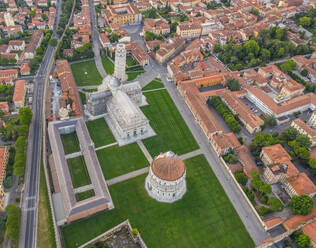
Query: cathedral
[119, 103]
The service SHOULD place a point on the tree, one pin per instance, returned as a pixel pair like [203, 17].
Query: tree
[302, 240]
[257, 183]
[275, 204]
[217, 48]
[289, 134]
[312, 163]
[302, 204]
[25, 116]
[260, 140]
[13, 223]
[289, 65]
[241, 178]
[305, 21]
[53, 42]
[304, 73]
[265, 189]
[304, 141]
[252, 46]
[233, 85]
[149, 36]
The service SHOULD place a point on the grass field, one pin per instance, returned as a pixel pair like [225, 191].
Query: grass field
[78, 172]
[82, 97]
[155, 84]
[172, 132]
[45, 221]
[86, 73]
[84, 195]
[203, 218]
[108, 65]
[132, 75]
[116, 161]
[70, 142]
[130, 61]
[100, 133]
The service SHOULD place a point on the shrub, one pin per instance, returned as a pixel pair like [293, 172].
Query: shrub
[302, 204]
[241, 178]
[264, 199]
[275, 204]
[262, 210]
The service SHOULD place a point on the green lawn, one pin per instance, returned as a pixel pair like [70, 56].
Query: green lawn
[84, 195]
[86, 73]
[100, 133]
[130, 61]
[82, 97]
[155, 84]
[172, 132]
[90, 90]
[132, 75]
[70, 142]
[119, 160]
[203, 218]
[108, 65]
[78, 172]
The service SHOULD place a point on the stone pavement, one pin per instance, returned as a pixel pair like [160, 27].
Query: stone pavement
[145, 151]
[127, 176]
[102, 147]
[190, 154]
[154, 90]
[83, 188]
[73, 155]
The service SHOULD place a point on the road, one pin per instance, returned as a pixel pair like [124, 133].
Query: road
[246, 214]
[28, 231]
[96, 42]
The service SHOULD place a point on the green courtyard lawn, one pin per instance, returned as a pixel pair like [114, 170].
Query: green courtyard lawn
[86, 73]
[131, 75]
[82, 97]
[119, 160]
[203, 218]
[108, 65]
[172, 132]
[84, 195]
[100, 133]
[70, 142]
[155, 84]
[130, 61]
[78, 172]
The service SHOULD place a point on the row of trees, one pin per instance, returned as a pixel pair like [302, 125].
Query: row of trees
[13, 223]
[6, 92]
[65, 15]
[224, 112]
[271, 44]
[151, 36]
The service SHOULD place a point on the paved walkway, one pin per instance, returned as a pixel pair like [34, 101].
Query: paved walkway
[154, 90]
[83, 188]
[102, 147]
[190, 154]
[127, 176]
[73, 155]
[145, 151]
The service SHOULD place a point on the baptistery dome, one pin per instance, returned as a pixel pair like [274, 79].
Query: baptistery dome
[166, 179]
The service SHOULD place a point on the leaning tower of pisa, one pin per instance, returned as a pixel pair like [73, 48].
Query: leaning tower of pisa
[120, 62]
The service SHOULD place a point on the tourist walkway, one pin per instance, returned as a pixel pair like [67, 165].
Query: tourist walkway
[153, 90]
[127, 176]
[83, 188]
[73, 155]
[106, 146]
[145, 151]
[190, 154]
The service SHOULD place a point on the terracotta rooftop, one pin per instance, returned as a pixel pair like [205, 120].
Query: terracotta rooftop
[273, 222]
[310, 132]
[296, 220]
[168, 168]
[19, 91]
[277, 154]
[302, 184]
[310, 230]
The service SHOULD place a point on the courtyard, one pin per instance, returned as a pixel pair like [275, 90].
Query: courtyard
[100, 133]
[70, 142]
[86, 73]
[172, 132]
[78, 172]
[189, 222]
[119, 160]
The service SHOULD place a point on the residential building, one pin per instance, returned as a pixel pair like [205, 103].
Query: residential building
[156, 26]
[4, 156]
[104, 40]
[303, 128]
[8, 73]
[223, 142]
[280, 169]
[166, 50]
[25, 69]
[30, 50]
[310, 231]
[189, 30]
[16, 45]
[4, 107]
[19, 94]
[119, 15]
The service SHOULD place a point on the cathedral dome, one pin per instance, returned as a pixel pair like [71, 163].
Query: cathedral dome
[114, 82]
[168, 167]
